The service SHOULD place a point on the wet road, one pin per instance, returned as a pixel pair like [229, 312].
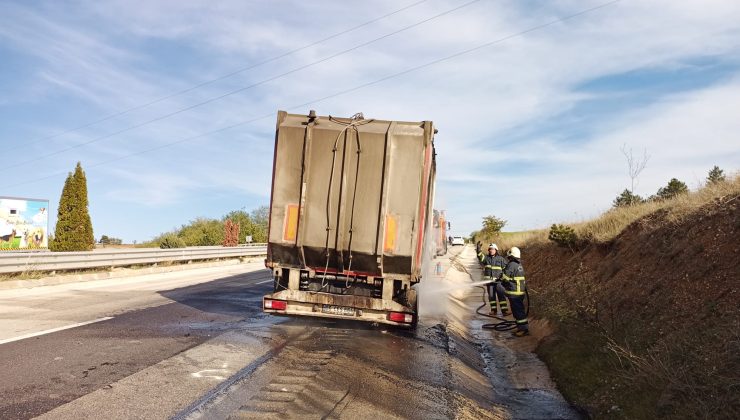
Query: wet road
[205, 350]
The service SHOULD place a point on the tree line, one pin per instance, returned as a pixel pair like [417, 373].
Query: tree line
[74, 230]
[204, 231]
[565, 235]
[673, 189]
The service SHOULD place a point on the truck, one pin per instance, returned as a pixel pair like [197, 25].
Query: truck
[351, 217]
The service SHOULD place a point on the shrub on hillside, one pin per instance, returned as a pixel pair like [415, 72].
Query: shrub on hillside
[627, 198]
[716, 175]
[170, 240]
[563, 235]
[673, 189]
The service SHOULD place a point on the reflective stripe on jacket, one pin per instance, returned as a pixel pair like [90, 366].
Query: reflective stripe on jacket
[513, 279]
[493, 265]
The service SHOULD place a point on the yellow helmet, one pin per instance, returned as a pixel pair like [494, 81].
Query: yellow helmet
[514, 252]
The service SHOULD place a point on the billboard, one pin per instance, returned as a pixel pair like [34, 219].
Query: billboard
[24, 223]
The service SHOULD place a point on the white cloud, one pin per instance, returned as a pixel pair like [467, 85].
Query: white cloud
[110, 57]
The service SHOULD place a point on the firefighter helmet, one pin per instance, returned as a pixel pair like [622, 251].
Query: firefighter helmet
[514, 252]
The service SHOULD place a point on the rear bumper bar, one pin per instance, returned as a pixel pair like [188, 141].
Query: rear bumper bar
[365, 308]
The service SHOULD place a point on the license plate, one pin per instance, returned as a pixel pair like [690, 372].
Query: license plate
[338, 310]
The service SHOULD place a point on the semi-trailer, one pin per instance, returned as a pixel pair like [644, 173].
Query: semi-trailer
[350, 209]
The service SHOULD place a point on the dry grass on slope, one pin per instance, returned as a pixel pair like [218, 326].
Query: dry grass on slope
[610, 224]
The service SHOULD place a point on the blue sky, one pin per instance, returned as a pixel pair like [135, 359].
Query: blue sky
[530, 128]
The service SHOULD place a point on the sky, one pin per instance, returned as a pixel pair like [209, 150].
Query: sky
[170, 106]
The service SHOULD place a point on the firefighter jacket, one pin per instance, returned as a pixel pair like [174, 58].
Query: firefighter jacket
[493, 265]
[513, 280]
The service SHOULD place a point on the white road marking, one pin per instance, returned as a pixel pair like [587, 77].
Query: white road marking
[66, 327]
[262, 282]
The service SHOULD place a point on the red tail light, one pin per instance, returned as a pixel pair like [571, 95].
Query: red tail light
[401, 317]
[279, 305]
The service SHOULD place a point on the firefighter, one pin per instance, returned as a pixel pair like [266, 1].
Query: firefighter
[515, 286]
[480, 254]
[492, 268]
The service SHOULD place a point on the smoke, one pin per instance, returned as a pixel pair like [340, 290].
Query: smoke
[431, 302]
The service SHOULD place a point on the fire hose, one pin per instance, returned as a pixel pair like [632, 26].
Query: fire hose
[503, 324]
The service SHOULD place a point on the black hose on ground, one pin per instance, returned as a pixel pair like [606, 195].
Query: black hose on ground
[503, 324]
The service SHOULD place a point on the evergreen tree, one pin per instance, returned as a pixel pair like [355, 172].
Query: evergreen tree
[626, 198]
[716, 175]
[673, 189]
[74, 229]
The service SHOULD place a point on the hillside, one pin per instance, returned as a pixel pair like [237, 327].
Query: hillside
[647, 314]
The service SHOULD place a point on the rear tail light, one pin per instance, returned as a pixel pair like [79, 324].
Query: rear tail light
[401, 317]
[279, 305]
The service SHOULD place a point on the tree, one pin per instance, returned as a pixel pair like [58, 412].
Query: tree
[74, 230]
[673, 189]
[202, 232]
[626, 198]
[109, 240]
[715, 175]
[563, 235]
[492, 225]
[242, 218]
[260, 220]
[634, 165]
[231, 233]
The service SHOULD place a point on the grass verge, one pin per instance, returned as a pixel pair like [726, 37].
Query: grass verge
[645, 308]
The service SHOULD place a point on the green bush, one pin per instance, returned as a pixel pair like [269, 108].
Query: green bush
[563, 235]
[492, 225]
[627, 198]
[202, 232]
[170, 240]
[673, 189]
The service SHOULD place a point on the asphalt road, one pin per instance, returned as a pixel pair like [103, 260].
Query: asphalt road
[195, 344]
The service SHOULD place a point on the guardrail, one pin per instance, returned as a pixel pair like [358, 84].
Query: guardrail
[18, 262]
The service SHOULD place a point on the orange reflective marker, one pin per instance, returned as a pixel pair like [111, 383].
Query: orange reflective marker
[290, 226]
[391, 233]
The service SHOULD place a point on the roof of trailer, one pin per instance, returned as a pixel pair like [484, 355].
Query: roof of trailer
[349, 119]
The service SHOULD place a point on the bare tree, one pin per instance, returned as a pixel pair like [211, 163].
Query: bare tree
[635, 164]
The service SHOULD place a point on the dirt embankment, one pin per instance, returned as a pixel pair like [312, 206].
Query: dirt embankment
[648, 325]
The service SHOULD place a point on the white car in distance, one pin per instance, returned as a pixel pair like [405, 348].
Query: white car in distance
[457, 240]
